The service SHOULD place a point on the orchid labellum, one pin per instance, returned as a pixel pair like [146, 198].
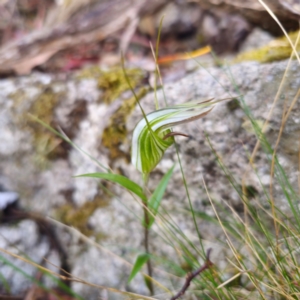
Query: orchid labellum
[153, 134]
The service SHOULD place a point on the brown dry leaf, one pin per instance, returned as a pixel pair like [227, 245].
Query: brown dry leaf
[61, 13]
[25, 66]
[5, 297]
[96, 23]
[35, 293]
[286, 10]
[291, 5]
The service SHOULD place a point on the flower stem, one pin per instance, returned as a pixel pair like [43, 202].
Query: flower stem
[146, 238]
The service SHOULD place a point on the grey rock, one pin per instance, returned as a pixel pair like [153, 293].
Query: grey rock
[7, 198]
[256, 39]
[23, 240]
[44, 189]
[228, 130]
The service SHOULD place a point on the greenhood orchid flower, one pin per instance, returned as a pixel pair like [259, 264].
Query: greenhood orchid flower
[153, 134]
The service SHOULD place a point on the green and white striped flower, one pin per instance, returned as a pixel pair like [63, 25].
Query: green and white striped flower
[153, 134]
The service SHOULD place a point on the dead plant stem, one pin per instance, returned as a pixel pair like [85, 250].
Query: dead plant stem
[194, 274]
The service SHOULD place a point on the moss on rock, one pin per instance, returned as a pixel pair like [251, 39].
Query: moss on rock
[42, 106]
[115, 133]
[113, 82]
[276, 50]
[78, 217]
[44, 141]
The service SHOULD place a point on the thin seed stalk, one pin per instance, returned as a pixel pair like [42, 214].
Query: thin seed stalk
[146, 237]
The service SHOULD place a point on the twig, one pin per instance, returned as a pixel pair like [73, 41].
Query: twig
[146, 245]
[192, 275]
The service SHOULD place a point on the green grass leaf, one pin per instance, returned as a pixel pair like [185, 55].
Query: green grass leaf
[121, 180]
[155, 199]
[140, 261]
[5, 284]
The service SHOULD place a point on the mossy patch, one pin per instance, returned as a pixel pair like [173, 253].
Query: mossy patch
[112, 82]
[115, 133]
[46, 145]
[44, 142]
[233, 105]
[78, 217]
[277, 49]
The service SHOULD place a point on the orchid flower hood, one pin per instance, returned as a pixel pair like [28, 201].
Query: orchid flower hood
[153, 134]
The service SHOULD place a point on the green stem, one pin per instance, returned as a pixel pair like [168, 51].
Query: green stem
[146, 237]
